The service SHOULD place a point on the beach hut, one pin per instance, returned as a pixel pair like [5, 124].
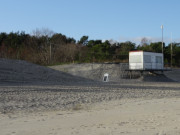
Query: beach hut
[141, 60]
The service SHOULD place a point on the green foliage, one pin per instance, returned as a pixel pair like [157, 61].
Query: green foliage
[83, 40]
[156, 47]
[91, 43]
[153, 47]
[50, 49]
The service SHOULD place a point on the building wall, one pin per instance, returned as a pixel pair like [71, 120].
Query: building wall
[136, 60]
[145, 60]
[153, 60]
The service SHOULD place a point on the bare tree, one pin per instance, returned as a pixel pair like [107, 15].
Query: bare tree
[42, 41]
[145, 41]
[42, 32]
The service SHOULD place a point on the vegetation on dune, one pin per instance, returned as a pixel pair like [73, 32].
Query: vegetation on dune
[45, 47]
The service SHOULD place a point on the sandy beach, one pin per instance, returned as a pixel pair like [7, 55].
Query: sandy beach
[127, 116]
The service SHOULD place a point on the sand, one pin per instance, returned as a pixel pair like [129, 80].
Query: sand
[103, 109]
[36, 100]
[128, 116]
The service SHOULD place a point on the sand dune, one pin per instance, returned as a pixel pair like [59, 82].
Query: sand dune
[22, 72]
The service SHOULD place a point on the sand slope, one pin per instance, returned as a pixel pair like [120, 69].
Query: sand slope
[18, 71]
[174, 74]
[93, 71]
[116, 72]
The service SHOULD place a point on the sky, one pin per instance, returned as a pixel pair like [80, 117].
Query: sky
[117, 20]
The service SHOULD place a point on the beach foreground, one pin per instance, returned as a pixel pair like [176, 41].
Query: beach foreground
[126, 116]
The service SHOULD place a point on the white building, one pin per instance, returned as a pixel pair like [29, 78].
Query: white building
[140, 60]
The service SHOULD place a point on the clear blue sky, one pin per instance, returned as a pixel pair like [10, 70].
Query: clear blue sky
[119, 20]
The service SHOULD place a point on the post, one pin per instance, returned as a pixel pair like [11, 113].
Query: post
[50, 54]
[162, 38]
[171, 50]
[162, 47]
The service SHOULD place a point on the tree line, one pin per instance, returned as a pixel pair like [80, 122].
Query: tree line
[45, 47]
